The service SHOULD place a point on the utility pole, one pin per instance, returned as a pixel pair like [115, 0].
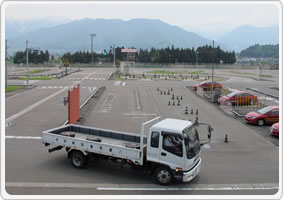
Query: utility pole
[212, 60]
[197, 58]
[92, 35]
[114, 62]
[6, 65]
[27, 64]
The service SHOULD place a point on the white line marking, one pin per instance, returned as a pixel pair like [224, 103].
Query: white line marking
[137, 100]
[141, 114]
[23, 137]
[124, 83]
[147, 187]
[15, 116]
[188, 189]
[153, 100]
[117, 83]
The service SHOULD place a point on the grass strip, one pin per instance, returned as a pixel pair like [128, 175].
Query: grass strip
[36, 78]
[12, 88]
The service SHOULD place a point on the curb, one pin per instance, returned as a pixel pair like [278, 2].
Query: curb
[253, 89]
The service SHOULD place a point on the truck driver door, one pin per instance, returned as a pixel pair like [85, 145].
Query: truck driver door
[172, 150]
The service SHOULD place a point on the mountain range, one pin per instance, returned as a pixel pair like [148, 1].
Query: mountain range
[139, 33]
[246, 35]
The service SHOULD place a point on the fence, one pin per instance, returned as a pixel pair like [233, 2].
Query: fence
[242, 107]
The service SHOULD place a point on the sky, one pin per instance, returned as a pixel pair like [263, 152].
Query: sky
[199, 17]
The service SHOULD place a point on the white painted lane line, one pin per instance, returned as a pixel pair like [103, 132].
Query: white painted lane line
[117, 83]
[147, 187]
[138, 105]
[139, 114]
[15, 116]
[124, 83]
[23, 137]
[188, 189]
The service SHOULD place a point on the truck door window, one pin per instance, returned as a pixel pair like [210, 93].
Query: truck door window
[154, 140]
[173, 144]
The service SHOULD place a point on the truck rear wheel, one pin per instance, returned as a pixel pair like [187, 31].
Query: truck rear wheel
[78, 159]
[163, 176]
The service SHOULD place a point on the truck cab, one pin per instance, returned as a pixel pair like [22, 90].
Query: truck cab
[174, 146]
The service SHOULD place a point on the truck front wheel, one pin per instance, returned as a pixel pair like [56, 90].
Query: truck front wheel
[78, 159]
[163, 176]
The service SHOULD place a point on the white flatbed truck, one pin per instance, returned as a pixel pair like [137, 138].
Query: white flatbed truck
[179, 162]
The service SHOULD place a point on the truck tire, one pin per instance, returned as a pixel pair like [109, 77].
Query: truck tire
[260, 122]
[163, 176]
[78, 159]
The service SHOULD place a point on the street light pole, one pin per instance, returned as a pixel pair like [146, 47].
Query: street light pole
[27, 64]
[212, 60]
[6, 65]
[197, 58]
[114, 62]
[92, 35]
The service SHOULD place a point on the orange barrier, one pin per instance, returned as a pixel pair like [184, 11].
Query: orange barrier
[74, 105]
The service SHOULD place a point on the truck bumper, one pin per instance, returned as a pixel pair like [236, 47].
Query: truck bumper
[189, 175]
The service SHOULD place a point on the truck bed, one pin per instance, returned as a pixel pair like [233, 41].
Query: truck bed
[107, 142]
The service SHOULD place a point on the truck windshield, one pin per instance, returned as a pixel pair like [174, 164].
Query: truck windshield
[192, 143]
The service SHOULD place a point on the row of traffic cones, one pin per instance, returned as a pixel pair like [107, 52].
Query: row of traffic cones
[173, 103]
[192, 111]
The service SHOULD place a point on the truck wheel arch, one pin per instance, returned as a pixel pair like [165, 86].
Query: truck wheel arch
[71, 150]
[154, 166]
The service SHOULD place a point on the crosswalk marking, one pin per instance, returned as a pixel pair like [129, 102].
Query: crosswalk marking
[119, 83]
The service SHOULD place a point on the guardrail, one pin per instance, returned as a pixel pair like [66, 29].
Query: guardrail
[55, 75]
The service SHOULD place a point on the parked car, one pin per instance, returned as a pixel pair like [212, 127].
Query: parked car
[208, 85]
[266, 115]
[274, 129]
[238, 98]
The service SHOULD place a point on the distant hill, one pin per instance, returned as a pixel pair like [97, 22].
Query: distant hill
[247, 35]
[15, 27]
[261, 51]
[138, 33]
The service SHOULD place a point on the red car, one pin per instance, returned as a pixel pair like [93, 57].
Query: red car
[274, 129]
[238, 98]
[267, 115]
[208, 85]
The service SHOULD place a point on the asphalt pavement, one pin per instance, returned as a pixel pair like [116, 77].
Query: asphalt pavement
[247, 165]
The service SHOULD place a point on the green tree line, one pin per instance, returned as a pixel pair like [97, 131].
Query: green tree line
[204, 54]
[261, 51]
[35, 57]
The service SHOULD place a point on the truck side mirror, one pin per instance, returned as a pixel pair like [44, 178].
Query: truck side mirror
[210, 129]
